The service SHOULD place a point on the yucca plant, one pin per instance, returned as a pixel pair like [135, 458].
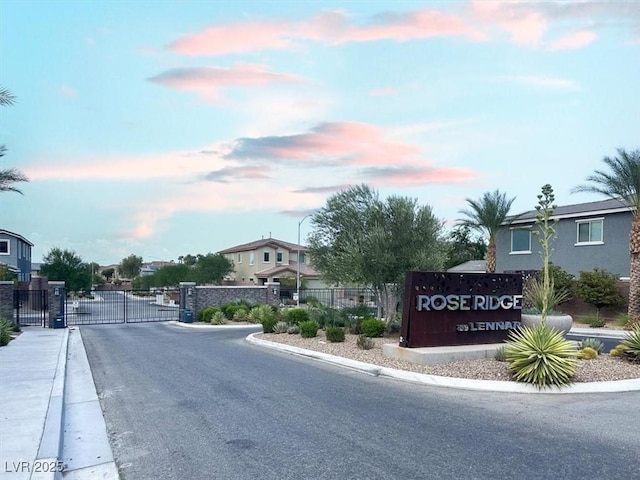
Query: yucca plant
[631, 344]
[218, 318]
[6, 327]
[240, 315]
[260, 312]
[594, 343]
[541, 356]
[500, 354]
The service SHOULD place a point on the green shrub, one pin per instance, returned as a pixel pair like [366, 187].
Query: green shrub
[268, 324]
[598, 322]
[6, 327]
[365, 343]
[395, 325]
[631, 344]
[614, 352]
[241, 315]
[296, 316]
[309, 329]
[587, 353]
[541, 356]
[281, 327]
[218, 318]
[311, 301]
[360, 310]
[258, 313]
[594, 343]
[293, 330]
[585, 319]
[205, 314]
[335, 334]
[355, 325]
[621, 319]
[372, 327]
[501, 354]
[598, 288]
[231, 308]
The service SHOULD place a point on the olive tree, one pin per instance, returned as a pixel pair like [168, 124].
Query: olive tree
[357, 238]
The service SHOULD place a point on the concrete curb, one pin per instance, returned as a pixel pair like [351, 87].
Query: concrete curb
[595, 333]
[213, 327]
[50, 449]
[451, 382]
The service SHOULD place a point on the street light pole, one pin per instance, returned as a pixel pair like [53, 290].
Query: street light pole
[298, 262]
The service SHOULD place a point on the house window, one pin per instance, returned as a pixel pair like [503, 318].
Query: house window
[278, 257]
[4, 247]
[239, 258]
[251, 258]
[520, 240]
[590, 231]
[265, 257]
[301, 257]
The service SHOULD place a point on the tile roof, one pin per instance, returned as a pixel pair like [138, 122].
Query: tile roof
[265, 242]
[579, 210]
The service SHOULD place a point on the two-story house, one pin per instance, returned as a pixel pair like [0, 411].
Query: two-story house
[15, 254]
[268, 260]
[588, 235]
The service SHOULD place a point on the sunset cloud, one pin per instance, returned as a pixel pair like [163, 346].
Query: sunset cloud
[228, 174]
[575, 40]
[209, 80]
[406, 176]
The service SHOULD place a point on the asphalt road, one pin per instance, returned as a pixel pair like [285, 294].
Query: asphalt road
[184, 404]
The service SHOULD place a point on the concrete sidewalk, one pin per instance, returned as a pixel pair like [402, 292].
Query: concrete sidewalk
[50, 417]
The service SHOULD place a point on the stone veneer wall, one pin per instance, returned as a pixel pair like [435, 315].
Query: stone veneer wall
[208, 296]
[6, 300]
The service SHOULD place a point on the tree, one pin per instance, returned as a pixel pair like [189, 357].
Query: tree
[67, 266]
[598, 288]
[359, 239]
[488, 215]
[210, 268]
[130, 266]
[9, 176]
[622, 183]
[108, 273]
[462, 247]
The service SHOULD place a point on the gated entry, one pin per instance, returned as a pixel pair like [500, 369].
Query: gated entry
[119, 306]
[31, 307]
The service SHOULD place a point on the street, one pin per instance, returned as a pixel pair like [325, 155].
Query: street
[204, 404]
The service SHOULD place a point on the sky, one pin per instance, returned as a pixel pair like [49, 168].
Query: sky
[166, 128]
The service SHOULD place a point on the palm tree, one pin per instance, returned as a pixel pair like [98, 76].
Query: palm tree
[488, 215]
[623, 183]
[9, 176]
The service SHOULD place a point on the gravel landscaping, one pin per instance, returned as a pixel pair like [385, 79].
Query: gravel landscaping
[603, 368]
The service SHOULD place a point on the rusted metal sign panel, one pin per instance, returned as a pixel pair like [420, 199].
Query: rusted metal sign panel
[459, 309]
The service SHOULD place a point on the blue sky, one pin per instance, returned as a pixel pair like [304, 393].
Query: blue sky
[176, 127]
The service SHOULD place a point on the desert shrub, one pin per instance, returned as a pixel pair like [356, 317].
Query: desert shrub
[621, 319]
[335, 334]
[205, 314]
[230, 309]
[293, 330]
[260, 312]
[614, 352]
[309, 329]
[281, 327]
[268, 323]
[395, 325]
[372, 327]
[562, 280]
[535, 294]
[594, 343]
[500, 354]
[587, 353]
[6, 327]
[597, 322]
[218, 318]
[365, 343]
[355, 325]
[241, 315]
[311, 301]
[296, 316]
[541, 356]
[631, 344]
[585, 319]
[16, 328]
[360, 310]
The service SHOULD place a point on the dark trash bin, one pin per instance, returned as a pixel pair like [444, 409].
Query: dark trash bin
[187, 316]
[58, 321]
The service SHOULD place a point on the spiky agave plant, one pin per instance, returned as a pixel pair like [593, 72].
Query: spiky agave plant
[630, 344]
[541, 356]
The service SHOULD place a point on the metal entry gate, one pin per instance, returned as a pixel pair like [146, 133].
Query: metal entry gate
[119, 306]
[30, 307]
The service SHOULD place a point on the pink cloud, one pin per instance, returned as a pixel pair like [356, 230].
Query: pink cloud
[416, 175]
[525, 25]
[575, 40]
[209, 80]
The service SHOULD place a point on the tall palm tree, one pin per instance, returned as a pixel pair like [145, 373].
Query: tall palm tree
[622, 183]
[488, 215]
[9, 176]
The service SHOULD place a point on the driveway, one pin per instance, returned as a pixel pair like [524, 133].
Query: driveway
[205, 404]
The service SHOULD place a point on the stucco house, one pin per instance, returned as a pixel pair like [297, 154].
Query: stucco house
[589, 235]
[268, 260]
[15, 254]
